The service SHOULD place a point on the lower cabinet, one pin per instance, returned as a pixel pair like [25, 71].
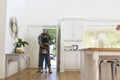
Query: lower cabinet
[72, 60]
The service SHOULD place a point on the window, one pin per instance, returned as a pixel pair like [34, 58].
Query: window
[101, 37]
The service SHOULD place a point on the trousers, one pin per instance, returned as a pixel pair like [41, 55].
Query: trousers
[43, 57]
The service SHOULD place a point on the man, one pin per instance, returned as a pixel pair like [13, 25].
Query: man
[44, 41]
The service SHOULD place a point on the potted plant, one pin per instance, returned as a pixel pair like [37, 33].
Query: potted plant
[19, 45]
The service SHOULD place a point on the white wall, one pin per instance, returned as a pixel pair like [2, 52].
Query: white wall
[15, 8]
[50, 11]
[3, 4]
[2, 66]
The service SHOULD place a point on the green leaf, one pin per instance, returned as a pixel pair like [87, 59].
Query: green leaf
[21, 43]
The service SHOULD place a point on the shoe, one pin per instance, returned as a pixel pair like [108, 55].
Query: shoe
[45, 70]
[50, 71]
[41, 70]
[38, 71]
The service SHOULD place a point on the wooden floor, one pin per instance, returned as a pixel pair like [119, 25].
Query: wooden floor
[24, 75]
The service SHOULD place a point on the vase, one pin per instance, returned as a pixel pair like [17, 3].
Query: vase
[19, 50]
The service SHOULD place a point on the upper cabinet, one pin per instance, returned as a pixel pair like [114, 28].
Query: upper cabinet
[72, 29]
[78, 29]
[67, 29]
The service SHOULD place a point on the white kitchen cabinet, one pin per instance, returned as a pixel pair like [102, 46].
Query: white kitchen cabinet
[67, 26]
[78, 29]
[72, 29]
[72, 60]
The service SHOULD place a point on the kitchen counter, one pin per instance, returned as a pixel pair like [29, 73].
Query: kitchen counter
[71, 50]
[89, 62]
[100, 49]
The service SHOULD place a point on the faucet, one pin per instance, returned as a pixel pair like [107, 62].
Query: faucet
[75, 47]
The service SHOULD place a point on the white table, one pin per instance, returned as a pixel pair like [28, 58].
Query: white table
[89, 63]
[14, 57]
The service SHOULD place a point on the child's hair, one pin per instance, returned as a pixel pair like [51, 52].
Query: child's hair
[45, 46]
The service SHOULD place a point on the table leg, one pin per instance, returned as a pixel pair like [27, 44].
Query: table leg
[18, 70]
[6, 68]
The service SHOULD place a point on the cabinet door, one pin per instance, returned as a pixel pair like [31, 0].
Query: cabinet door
[69, 60]
[72, 60]
[67, 26]
[77, 60]
[78, 29]
[72, 29]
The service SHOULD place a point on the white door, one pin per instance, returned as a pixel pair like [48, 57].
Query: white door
[33, 50]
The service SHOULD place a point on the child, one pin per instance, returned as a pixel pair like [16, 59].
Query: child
[44, 56]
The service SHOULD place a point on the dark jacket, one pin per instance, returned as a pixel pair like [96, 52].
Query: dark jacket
[44, 38]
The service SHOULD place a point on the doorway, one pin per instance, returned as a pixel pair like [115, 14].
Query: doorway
[53, 46]
[33, 49]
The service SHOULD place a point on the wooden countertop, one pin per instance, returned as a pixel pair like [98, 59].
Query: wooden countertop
[100, 49]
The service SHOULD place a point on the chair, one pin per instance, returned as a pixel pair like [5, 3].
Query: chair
[114, 64]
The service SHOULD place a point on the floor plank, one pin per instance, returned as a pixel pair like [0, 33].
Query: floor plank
[32, 75]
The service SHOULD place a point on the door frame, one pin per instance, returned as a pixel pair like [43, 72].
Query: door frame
[57, 43]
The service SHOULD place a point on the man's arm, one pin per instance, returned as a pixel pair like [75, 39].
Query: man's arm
[50, 40]
[39, 39]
